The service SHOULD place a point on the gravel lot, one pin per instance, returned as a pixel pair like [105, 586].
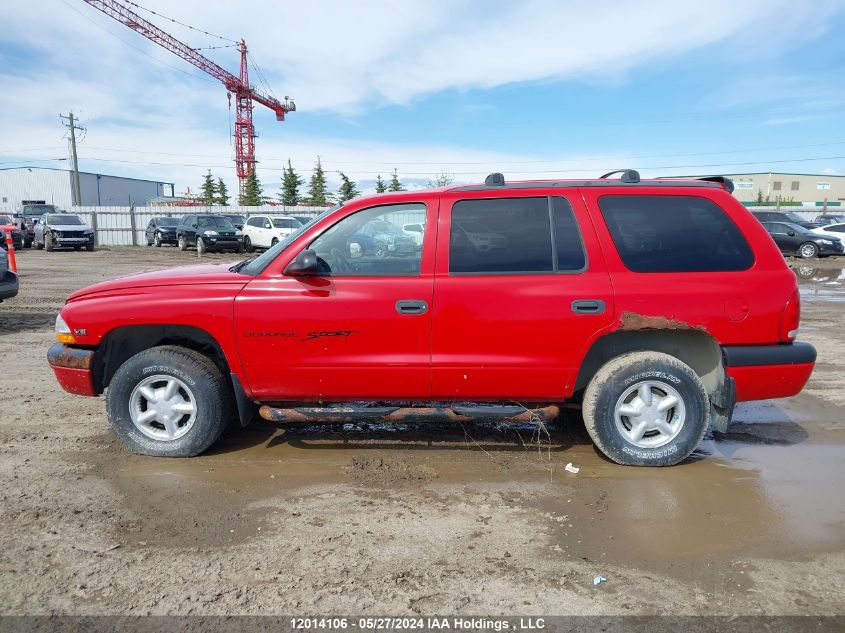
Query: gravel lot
[370, 519]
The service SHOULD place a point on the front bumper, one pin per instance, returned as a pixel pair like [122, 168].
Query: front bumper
[8, 285]
[75, 240]
[233, 242]
[762, 372]
[74, 369]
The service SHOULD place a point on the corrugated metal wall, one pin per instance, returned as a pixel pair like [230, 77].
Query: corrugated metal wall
[24, 183]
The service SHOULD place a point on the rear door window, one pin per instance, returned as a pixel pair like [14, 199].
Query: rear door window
[514, 235]
[674, 234]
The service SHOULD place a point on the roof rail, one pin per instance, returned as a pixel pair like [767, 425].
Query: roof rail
[628, 175]
[495, 180]
[726, 182]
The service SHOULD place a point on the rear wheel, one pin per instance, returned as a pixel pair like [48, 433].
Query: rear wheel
[646, 409]
[183, 245]
[38, 245]
[168, 401]
[808, 250]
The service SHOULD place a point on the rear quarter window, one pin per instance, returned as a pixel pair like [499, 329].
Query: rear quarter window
[674, 234]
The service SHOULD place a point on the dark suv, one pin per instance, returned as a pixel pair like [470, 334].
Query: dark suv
[28, 217]
[208, 233]
[786, 216]
[161, 231]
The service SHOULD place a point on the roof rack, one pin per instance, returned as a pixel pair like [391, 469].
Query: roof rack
[628, 175]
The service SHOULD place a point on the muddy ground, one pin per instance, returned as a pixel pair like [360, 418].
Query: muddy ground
[423, 519]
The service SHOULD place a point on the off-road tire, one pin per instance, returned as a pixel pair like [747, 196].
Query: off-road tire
[614, 378]
[48, 242]
[196, 370]
[182, 243]
[808, 250]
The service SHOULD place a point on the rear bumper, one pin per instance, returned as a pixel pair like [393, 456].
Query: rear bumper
[769, 371]
[74, 369]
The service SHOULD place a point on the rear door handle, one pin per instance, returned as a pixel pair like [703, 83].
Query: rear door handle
[588, 306]
[411, 307]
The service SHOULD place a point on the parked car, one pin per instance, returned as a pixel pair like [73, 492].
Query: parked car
[380, 238]
[786, 216]
[264, 231]
[28, 217]
[7, 224]
[304, 219]
[161, 231]
[8, 279]
[836, 230]
[657, 332]
[416, 231]
[831, 218]
[207, 233]
[63, 230]
[479, 237]
[793, 239]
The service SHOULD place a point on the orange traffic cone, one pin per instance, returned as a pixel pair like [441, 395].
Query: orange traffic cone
[10, 247]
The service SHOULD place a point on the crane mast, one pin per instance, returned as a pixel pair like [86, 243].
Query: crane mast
[238, 86]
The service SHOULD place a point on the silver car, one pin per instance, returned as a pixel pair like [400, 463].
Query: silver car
[63, 230]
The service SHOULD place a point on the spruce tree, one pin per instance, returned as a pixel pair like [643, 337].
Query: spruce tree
[222, 193]
[252, 192]
[381, 187]
[290, 186]
[318, 192]
[395, 185]
[208, 189]
[348, 188]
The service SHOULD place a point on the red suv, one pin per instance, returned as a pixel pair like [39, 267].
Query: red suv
[658, 304]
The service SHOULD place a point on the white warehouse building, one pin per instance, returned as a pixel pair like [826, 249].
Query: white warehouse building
[44, 185]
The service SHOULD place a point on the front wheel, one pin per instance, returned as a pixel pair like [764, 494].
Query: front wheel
[201, 247]
[646, 409]
[183, 245]
[38, 245]
[157, 240]
[248, 247]
[48, 242]
[168, 401]
[808, 250]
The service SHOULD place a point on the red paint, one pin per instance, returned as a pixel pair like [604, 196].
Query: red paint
[484, 337]
[770, 381]
[77, 381]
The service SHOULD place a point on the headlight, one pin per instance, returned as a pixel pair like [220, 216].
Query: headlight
[828, 242]
[63, 333]
[211, 232]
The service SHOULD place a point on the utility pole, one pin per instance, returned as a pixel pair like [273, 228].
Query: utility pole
[72, 126]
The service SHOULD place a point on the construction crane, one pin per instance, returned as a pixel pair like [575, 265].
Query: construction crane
[238, 86]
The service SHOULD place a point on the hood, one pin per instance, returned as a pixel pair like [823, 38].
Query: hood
[70, 227]
[200, 274]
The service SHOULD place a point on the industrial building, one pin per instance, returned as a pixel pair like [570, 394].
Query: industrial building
[814, 190]
[21, 185]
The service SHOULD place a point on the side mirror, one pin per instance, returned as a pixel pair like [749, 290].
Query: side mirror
[304, 265]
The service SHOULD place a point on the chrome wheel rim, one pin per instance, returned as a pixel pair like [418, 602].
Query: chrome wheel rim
[649, 414]
[162, 407]
[807, 251]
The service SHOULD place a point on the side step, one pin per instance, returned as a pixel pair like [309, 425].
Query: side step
[457, 412]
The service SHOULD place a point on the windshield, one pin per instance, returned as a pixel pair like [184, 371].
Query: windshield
[211, 222]
[38, 209]
[257, 265]
[286, 223]
[167, 221]
[67, 220]
[794, 217]
[5, 219]
[235, 219]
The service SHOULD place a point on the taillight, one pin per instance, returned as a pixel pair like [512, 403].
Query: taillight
[790, 318]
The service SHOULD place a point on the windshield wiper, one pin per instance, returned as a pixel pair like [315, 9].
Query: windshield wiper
[237, 267]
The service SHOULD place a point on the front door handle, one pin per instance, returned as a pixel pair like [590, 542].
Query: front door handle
[411, 307]
[588, 306]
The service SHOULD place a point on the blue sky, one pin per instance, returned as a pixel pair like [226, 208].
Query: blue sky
[532, 89]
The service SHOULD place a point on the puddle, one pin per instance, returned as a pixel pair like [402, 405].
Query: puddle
[820, 283]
